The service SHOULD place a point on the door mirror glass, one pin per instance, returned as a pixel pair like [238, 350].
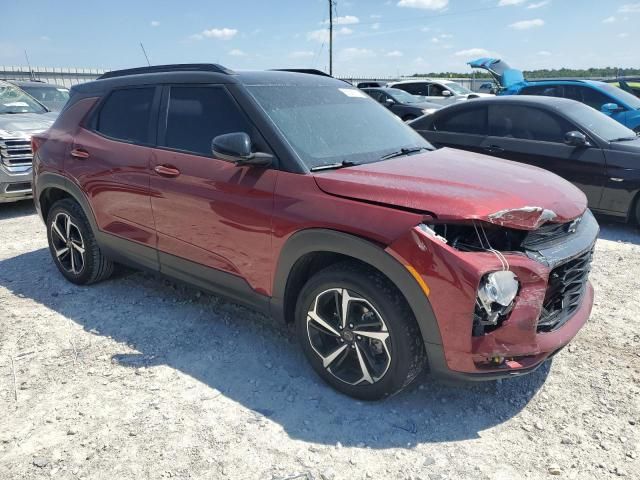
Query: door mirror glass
[446, 93]
[610, 108]
[236, 147]
[575, 139]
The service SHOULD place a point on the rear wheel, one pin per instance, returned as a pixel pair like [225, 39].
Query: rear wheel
[73, 246]
[358, 332]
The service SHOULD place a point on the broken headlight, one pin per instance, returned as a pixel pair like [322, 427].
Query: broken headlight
[495, 299]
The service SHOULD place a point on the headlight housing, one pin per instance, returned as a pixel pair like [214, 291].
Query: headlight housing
[495, 299]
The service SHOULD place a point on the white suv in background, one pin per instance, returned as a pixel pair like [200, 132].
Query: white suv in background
[442, 92]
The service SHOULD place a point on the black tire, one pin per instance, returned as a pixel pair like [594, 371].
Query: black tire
[95, 267]
[404, 344]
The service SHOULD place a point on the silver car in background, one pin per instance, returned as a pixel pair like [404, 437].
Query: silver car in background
[20, 117]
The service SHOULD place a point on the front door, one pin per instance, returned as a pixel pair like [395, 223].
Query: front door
[535, 136]
[209, 212]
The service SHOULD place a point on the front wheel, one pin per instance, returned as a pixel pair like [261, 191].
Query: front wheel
[358, 332]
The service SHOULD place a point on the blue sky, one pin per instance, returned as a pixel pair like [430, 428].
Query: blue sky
[374, 37]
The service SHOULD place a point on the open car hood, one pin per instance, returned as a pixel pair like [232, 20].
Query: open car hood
[500, 70]
[455, 185]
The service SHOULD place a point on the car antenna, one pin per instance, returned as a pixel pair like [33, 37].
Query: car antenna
[31, 75]
[145, 54]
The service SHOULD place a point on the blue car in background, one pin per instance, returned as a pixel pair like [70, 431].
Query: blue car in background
[609, 99]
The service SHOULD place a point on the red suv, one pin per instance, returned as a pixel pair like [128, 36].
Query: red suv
[300, 196]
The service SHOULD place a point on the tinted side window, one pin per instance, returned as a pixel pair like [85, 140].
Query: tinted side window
[436, 90]
[198, 114]
[376, 95]
[544, 90]
[527, 123]
[593, 97]
[472, 122]
[126, 115]
[414, 88]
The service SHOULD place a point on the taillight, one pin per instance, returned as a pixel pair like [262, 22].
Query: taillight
[35, 144]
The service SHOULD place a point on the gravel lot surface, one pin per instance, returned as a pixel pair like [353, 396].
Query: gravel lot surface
[138, 378]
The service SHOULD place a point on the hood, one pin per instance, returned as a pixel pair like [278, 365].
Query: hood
[16, 124]
[631, 146]
[425, 105]
[456, 185]
[500, 70]
[480, 95]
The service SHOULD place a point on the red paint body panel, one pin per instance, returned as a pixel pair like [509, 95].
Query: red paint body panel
[216, 214]
[453, 278]
[457, 185]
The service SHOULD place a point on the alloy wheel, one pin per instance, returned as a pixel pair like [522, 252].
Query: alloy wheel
[68, 244]
[350, 336]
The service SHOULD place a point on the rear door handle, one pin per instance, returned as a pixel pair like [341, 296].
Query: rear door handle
[493, 149]
[167, 171]
[80, 153]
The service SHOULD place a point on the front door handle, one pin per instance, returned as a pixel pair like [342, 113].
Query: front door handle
[79, 153]
[167, 171]
[493, 149]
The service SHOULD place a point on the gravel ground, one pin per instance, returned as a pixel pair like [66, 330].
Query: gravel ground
[138, 378]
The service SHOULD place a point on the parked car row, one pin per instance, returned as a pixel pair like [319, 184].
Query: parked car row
[21, 115]
[615, 102]
[302, 197]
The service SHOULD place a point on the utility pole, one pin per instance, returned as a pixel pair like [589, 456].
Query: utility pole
[330, 37]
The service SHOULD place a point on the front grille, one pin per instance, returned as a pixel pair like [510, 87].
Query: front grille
[549, 234]
[567, 284]
[16, 152]
[18, 187]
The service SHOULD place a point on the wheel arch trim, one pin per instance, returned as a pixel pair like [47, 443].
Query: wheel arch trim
[332, 241]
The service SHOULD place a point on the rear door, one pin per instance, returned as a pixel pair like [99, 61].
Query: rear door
[535, 136]
[110, 161]
[463, 127]
[208, 211]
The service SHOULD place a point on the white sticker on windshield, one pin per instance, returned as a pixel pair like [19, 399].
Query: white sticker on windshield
[353, 92]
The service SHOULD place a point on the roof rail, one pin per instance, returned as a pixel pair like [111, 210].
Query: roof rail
[309, 71]
[178, 67]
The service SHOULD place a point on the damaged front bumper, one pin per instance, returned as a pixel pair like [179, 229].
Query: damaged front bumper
[554, 300]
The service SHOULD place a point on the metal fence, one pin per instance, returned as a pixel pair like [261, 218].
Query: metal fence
[58, 75]
[71, 76]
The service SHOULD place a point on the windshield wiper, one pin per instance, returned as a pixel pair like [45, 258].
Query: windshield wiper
[402, 152]
[624, 139]
[333, 166]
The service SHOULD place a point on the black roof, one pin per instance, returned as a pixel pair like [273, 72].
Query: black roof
[202, 73]
[34, 83]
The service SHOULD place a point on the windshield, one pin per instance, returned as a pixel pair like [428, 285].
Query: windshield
[14, 100]
[401, 96]
[603, 126]
[457, 88]
[46, 93]
[617, 93]
[327, 124]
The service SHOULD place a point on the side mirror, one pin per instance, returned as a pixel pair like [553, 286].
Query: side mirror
[446, 93]
[609, 108]
[575, 139]
[389, 102]
[236, 147]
